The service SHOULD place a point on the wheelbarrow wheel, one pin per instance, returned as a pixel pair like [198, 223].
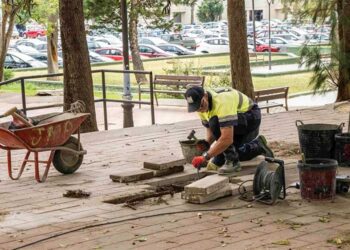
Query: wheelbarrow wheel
[67, 162]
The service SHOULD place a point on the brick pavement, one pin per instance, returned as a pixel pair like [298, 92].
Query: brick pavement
[30, 211]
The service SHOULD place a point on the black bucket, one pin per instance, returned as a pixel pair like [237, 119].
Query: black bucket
[317, 178]
[342, 149]
[318, 140]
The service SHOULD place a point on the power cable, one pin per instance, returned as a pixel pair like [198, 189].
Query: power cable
[125, 220]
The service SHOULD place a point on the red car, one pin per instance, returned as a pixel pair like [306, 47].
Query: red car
[265, 48]
[34, 33]
[261, 46]
[114, 53]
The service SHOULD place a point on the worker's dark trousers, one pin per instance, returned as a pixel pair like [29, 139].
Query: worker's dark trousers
[245, 146]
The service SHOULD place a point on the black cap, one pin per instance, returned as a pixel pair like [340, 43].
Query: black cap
[194, 97]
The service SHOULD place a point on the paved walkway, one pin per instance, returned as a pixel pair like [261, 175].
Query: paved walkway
[31, 212]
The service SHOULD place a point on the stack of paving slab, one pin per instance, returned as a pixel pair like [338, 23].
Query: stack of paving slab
[149, 171]
[207, 189]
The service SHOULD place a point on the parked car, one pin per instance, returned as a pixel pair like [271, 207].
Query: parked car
[26, 50]
[93, 45]
[281, 43]
[152, 41]
[96, 58]
[290, 38]
[34, 43]
[34, 33]
[214, 45]
[179, 40]
[319, 38]
[42, 57]
[109, 39]
[115, 54]
[176, 49]
[152, 51]
[15, 59]
[261, 46]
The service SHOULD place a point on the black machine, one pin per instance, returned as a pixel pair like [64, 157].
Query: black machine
[268, 186]
[342, 184]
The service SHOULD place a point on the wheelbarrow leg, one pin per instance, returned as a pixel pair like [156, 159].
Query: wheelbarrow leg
[9, 165]
[48, 164]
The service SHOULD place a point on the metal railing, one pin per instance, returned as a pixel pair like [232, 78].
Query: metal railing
[104, 98]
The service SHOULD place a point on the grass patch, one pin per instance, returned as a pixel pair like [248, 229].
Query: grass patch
[296, 82]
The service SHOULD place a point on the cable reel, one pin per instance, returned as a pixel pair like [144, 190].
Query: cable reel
[268, 186]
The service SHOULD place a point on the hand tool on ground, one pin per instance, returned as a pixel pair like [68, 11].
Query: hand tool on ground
[199, 162]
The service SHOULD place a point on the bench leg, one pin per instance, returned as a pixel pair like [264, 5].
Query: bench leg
[155, 96]
[268, 110]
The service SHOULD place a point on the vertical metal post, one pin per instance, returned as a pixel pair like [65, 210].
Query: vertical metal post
[253, 19]
[23, 93]
[104, 96]
[269, 2]
[152, 99]
[128, 117]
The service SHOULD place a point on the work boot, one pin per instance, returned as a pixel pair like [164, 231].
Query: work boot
[211, 166]
[263, 145]
[230, 167]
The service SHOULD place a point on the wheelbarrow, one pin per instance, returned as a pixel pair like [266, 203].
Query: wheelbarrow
[52, 134]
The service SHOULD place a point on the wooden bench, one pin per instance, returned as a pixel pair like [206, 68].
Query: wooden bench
[255, 56]
[266, 95]
[172, 84]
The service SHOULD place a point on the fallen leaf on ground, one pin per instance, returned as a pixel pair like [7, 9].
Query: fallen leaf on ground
[282, 242]
[324, 219]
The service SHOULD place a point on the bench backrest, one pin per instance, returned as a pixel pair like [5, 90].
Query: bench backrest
[271, 94]
[174, 80]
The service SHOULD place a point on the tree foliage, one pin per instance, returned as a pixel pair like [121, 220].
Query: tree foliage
[336, 71]
[210, 10]
[10, 10]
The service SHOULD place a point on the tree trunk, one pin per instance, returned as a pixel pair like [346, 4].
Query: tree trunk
[8, 16]
[134, 44]
[52, 55]
[239, 58]
[344, 45]
[77, 69]
[192, 12]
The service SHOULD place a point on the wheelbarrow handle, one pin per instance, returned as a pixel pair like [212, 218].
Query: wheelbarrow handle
[9, 112]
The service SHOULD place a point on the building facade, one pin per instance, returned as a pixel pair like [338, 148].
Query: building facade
[182, 14]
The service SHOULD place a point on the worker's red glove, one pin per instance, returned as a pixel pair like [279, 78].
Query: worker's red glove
[199, 162]
[202, 145]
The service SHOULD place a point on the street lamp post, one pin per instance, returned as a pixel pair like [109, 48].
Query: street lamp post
[269, 2]
[253, 19]
[128, 116]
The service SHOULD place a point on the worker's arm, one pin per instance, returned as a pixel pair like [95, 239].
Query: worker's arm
[210, 137]
[225, 140]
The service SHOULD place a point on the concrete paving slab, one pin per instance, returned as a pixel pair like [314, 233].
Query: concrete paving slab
[132, 176]
[207, 185]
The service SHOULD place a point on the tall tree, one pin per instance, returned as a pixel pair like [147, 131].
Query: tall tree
[10, 9]
[46, 12]
[77, 70]
[210, 10]
[239, 57]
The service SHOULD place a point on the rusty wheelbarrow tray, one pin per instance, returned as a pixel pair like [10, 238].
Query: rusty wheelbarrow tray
[53, 134]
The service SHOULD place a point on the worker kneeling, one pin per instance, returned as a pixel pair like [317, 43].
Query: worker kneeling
[232, 120]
